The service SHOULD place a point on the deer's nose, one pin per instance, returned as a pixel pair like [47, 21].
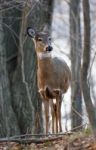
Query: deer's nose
[49, 48]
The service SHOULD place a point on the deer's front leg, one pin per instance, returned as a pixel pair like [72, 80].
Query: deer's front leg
[46, 111]
[52, 114]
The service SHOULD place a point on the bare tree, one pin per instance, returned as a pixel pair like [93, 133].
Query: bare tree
[36, 16]
[75, 40]
[8, 120]
[86, 61]
[24, 100]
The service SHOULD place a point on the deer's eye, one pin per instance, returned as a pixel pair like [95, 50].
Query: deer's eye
[39, 39]
[49, 38]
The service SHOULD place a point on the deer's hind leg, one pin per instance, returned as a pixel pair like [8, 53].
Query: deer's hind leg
[57, 114]
[58, 110]
[60, 102]
[52, 114]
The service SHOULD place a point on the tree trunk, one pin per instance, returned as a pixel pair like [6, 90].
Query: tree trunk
[8, 120]
[20, 94]
[86, 61]
[75, 40]
[25, 80]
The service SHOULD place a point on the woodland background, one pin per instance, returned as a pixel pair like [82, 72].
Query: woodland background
[73, 30]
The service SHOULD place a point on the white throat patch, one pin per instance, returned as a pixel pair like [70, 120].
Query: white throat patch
[42, 55]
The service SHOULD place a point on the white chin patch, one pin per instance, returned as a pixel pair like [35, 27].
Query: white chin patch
[54, 101]
[42, 55]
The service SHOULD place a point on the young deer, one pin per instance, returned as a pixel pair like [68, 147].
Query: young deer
[53, 77]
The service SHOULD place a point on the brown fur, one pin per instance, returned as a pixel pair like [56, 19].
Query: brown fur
[53, 77]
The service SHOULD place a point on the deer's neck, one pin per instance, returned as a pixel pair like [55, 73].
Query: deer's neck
[44, 60]
[44, 55]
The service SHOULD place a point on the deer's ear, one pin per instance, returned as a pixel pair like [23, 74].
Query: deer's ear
[30, 32]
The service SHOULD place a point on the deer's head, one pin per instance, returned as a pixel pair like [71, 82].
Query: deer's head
[42, 40]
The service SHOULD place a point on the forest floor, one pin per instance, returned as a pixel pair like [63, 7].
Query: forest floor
[74, 141]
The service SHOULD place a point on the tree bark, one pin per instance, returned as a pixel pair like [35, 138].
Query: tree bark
[86, 61]
[20, 93]
[25, 78]
[8, 120]
[75, 40]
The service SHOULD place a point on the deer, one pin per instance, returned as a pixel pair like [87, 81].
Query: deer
[53, 78]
